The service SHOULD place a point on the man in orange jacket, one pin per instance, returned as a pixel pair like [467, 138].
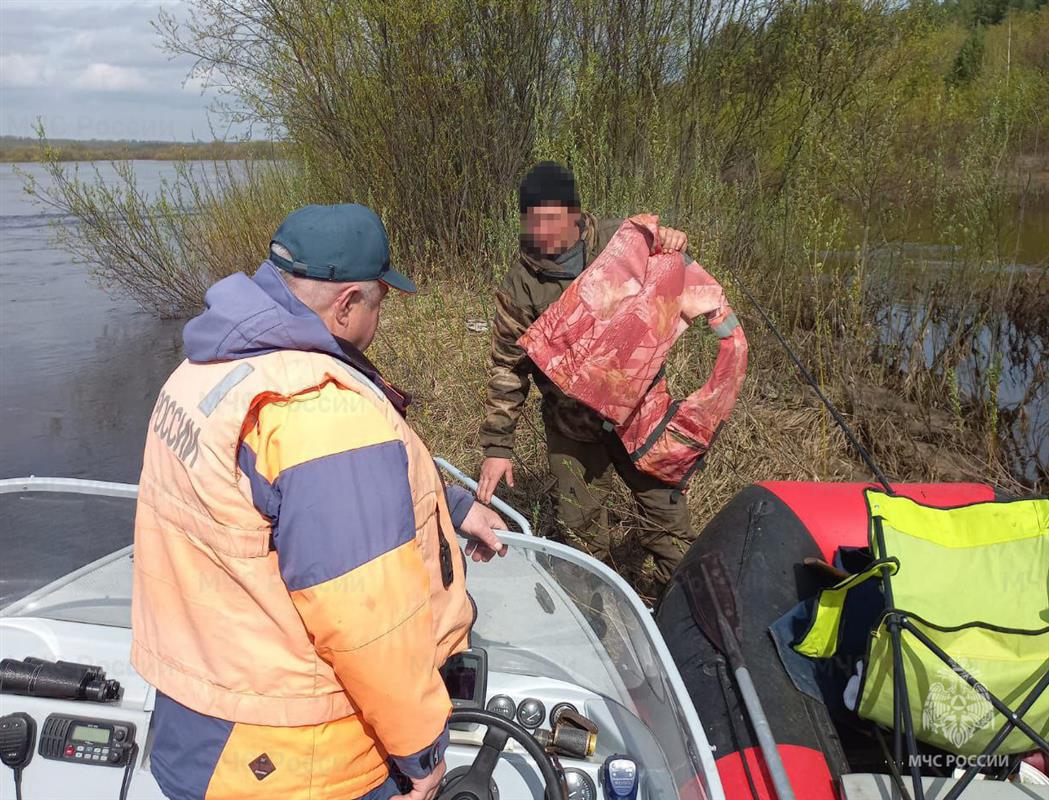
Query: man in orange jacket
[296, 583]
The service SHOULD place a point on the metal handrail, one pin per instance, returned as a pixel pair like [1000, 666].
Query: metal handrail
[499, 505]
[68, 486]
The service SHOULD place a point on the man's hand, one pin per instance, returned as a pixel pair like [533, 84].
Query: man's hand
[480, 525]
[492, 471]
[672, 240]
[425, 788]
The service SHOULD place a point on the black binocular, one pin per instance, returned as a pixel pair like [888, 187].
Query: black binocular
[59, 680]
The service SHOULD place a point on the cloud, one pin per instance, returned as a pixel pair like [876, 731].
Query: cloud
[93, 69]
[102, 77]
[195, 83]
[24, 70]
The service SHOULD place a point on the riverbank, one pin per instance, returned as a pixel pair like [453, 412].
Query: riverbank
[15, 149]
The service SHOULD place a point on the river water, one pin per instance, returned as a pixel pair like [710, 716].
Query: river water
[80, 368]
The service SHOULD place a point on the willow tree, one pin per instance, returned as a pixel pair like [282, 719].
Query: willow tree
[426, 111]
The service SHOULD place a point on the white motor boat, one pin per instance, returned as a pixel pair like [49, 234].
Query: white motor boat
[555, 630]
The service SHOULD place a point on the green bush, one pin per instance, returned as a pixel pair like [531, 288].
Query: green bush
[969, 61]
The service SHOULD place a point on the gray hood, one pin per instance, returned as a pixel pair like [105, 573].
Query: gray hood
[246, 317]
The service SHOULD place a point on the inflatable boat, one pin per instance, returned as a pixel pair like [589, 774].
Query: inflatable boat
[778, 542]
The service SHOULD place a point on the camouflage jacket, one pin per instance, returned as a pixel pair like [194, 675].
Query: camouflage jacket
[528, 289]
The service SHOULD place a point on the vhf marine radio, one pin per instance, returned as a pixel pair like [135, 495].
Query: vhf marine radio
[65, 737]
[99, 742]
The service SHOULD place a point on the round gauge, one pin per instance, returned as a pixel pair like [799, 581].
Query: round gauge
[555, 712]
[503, 705]
[580, 785]
[531, 713]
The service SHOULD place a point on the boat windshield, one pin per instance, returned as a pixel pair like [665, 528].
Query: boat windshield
[544, 610]
[548, 610]
[47, 536]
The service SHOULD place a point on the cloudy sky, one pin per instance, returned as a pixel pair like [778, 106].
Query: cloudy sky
[92, 69]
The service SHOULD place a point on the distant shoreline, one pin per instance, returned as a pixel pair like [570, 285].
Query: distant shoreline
[22, 149]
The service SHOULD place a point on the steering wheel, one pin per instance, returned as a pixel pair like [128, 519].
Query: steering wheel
[476, 783]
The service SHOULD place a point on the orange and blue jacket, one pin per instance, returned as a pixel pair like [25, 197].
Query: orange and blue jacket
[297, 581]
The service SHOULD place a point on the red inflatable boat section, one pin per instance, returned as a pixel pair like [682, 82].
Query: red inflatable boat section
[836, 513]
[805, 767]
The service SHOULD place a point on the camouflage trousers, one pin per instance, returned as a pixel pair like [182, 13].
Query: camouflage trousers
[583, 473]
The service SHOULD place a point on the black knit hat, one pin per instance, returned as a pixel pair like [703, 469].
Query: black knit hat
[548, 183]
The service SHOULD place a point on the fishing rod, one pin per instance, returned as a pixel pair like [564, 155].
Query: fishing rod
[811, 380]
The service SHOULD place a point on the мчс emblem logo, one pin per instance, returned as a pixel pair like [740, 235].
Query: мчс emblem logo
[954, 709]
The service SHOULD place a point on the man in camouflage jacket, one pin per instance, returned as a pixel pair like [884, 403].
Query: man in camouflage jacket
[558, 241]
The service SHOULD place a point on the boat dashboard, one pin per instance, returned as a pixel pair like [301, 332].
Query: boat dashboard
[76, 767]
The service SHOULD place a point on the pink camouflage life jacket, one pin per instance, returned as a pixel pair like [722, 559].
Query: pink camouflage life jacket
[604, 342]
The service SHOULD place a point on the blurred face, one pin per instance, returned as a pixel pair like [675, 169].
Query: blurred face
[356, 313]
[550, 230]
